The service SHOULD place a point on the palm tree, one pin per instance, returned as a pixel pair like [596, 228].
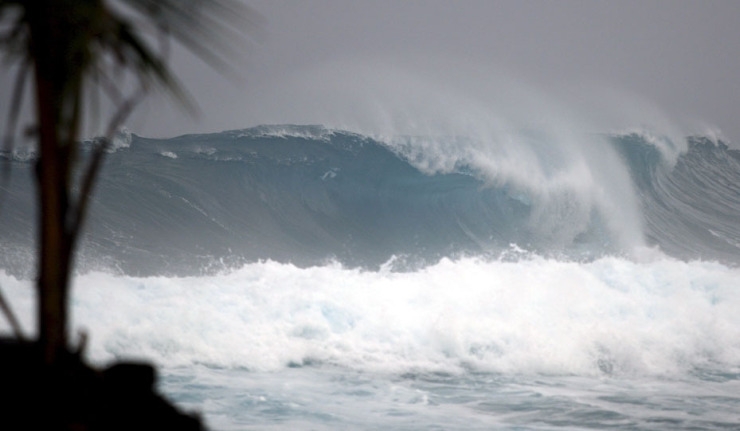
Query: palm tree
[69, 50]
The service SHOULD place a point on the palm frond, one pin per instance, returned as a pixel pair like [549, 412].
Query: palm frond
[73, 46]
[214, 30]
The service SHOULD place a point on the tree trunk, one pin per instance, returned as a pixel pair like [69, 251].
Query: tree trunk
[53, 84]
[54, 261]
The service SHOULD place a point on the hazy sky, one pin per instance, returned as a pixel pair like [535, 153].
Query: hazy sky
[395, 64]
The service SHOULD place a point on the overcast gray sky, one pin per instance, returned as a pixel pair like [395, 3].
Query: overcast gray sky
[669, 64]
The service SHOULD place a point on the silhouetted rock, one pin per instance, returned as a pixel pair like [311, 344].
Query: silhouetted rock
[76, 396]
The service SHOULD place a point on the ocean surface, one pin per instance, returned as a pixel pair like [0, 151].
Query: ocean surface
[305, 277]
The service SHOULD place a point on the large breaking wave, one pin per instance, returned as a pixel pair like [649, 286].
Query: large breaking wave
[308, 195]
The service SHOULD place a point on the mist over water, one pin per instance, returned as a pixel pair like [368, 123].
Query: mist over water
[548, 141]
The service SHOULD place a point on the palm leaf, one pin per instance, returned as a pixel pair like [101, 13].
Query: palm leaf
[75, 45]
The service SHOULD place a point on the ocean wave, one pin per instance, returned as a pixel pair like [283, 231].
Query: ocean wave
[608, 317]
[309, 194]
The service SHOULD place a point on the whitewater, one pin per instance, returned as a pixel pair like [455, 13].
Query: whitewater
[306, 277]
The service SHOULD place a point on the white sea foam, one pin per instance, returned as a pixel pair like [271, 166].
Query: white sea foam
[611, 316]
[670, 147]
[121, 139]
[318, 133]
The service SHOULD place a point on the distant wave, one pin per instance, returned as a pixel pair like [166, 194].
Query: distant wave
[309, 195]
